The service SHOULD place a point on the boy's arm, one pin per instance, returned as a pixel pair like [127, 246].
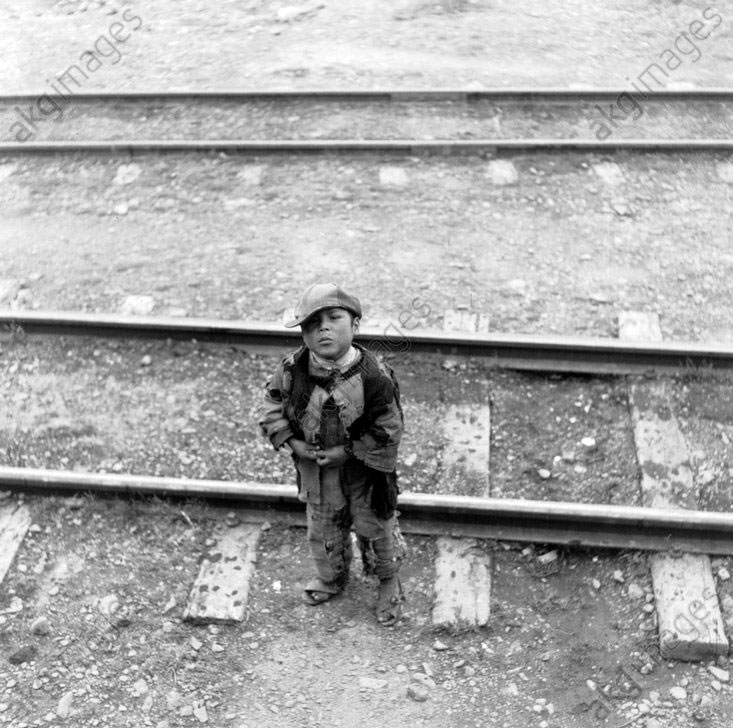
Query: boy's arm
[377, 444]
[273, 423]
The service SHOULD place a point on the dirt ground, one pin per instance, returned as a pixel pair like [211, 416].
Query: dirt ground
[576, 240]
[412, 43]
[111, 577]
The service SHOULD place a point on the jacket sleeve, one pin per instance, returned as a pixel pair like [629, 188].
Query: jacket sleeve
[273, 421]
[376, 440]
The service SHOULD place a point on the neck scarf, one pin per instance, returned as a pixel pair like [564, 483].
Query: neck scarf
[342, 363]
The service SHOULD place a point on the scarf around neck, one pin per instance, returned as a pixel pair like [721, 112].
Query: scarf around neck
[342, 363]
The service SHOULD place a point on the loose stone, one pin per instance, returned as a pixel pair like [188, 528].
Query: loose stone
[392, 177]
[548, 558]
[251, 174]
[140, 687]
[127, 173]
[502, 172]
[23, 654]
[423, 679]
[719, 674]
[64, 705]
[41, 626]
[418, 693]
[678, 693]
[200, 714]
[371, 683]
[137, 305]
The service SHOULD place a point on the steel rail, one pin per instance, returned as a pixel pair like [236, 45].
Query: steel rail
[592, 355]
[384, 146]
[550, 94]
[608, 526]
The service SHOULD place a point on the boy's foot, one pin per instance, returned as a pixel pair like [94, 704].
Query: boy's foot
[316, 592]
[389, 601]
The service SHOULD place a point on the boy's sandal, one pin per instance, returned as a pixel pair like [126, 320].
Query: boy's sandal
[389, 601]
[316, 592]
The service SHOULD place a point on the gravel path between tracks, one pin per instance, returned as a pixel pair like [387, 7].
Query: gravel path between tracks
[566, 245]
[368, 120]
[412, 43]
[190, 410]
[185, 410]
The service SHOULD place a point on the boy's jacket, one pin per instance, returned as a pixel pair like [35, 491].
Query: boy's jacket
[366, 397]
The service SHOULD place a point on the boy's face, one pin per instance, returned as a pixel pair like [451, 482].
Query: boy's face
[329, 333]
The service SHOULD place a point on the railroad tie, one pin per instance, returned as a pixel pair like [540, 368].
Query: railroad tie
[221, 589]
[15, 519]
[467, 425]
[462, 582]
[463, 566]
[690, 622]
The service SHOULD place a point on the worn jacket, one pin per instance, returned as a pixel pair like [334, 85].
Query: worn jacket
[365, 397]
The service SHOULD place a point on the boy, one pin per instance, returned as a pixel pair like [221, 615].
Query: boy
[338, 409]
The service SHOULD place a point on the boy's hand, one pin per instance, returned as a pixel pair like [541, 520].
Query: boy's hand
[303, 449]
[331, 457]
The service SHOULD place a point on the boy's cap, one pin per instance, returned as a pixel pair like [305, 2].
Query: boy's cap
[320, 296]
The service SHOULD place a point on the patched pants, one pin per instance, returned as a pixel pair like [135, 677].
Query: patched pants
[329, 534]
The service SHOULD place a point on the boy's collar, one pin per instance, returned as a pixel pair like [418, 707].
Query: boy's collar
[342, 363]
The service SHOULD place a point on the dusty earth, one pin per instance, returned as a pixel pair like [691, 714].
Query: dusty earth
[564, 247]
[186, 410]
[575, 240]
[110, 578]
[412, 43]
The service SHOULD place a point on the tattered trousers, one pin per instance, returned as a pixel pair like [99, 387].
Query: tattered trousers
[343, 506]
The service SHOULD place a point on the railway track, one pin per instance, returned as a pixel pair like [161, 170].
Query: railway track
[570, 524]
[515, 351]
[451, 121]
[350, 146]
[558, 95]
